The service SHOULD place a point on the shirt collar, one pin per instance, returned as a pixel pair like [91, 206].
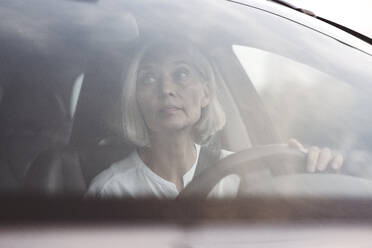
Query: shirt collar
[187, 177]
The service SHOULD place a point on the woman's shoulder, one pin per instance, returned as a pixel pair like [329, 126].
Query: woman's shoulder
[110, 175]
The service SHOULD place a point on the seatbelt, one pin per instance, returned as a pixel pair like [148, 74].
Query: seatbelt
[208, 157]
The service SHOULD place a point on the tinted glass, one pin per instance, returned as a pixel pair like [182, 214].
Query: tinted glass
[64, 65]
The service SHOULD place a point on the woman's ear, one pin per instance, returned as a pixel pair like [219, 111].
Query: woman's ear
[206, 95]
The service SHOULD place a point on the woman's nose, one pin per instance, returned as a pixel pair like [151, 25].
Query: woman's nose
[167, 86]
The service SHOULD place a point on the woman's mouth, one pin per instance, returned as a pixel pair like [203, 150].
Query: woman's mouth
[170, 109]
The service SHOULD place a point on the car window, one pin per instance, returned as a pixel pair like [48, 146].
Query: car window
[72, 72]
[301, 98]
[312, 105]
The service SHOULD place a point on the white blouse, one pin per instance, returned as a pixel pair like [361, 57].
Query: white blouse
[131, 177]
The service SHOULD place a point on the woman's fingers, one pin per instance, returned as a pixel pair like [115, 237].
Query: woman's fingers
[293, 143]
[321, 159]
[325, 156]
[337, 161]
[318, 159]
[312, 158]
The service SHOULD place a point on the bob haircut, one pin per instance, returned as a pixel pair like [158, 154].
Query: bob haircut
[212, 117]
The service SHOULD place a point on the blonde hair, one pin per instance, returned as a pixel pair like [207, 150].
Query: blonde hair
[212, 117]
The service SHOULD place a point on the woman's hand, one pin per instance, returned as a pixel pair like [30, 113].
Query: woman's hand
[319, 159]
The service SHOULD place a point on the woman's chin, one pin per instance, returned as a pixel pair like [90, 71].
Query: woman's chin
[174, 126]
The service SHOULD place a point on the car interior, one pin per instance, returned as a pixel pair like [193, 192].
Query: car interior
[60, 110]
[61, 127]
[279, 74]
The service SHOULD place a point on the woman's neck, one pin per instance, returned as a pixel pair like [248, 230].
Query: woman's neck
[170, 157]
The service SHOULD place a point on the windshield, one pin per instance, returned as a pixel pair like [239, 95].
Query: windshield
[160, 99]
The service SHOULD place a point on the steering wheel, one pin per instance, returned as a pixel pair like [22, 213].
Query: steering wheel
[285, 164]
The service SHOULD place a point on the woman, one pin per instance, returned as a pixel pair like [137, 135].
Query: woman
[170, 109]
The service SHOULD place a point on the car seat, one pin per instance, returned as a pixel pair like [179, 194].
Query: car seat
[68, 170]
[25, 132]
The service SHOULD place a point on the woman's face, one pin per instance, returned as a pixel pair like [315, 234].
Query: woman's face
[170, 93]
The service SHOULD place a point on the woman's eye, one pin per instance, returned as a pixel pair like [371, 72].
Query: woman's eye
[148, 79]
[181, 74]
